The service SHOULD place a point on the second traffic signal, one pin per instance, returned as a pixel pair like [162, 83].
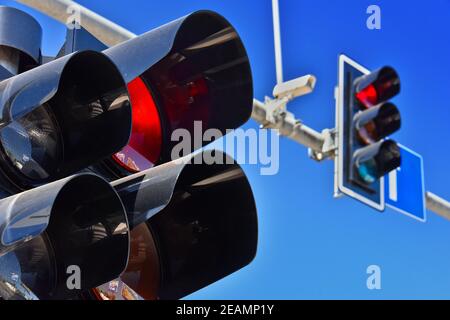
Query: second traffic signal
[367, 119]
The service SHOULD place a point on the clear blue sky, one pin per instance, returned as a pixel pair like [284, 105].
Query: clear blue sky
[311, 245]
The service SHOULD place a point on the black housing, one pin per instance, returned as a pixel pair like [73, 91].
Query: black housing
[385, 80]
[202, 46]
[202, 216]
[21, 32]
[89, 102]
[81, 222]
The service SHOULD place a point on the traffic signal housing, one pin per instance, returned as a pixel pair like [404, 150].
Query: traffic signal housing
[115, 111]
[194, 70]
[365, 120]
[192, 224]
[61, 117]
[77, 222]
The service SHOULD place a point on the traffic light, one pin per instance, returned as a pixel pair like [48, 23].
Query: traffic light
[77, 222]
[366, 119]
[194, 69]
[60, 117]
[183, 225]
[193, 224]
[184, 235]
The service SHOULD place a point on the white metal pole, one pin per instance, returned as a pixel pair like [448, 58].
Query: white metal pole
[112, 34]
[438, 205]
[277, 40]
[289, 127]
[65, 11]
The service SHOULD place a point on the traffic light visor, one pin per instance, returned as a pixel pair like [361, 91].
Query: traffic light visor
[194, 69]
[61, 117]
[78, 222]
[377, 87]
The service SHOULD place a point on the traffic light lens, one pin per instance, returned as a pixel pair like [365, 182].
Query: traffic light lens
[37, 269]
[33, 144]
[368, 96]
[368, 171]
[143, 270]
[368, 134]
[377, 123]
[377, 160]
[144, 148]
[377, 87]
[142, 277]
[28, 271]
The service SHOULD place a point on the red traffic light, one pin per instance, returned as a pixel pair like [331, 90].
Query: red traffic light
[193, 69]
[181, 96]
[144, 149]
[377, 87]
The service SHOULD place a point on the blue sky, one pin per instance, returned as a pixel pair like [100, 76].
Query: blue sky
[311, 245]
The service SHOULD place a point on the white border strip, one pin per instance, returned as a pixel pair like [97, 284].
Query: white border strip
[277, 40]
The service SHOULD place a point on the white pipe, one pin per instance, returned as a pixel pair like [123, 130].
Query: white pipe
[289, 127]
[277, 40]
[65, 11]
[438, 205]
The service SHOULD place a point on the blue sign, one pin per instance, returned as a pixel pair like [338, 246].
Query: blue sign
[404, 187]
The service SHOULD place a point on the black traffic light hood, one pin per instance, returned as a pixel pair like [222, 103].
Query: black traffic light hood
[202, 216]
[88, 98]
[85, 224]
